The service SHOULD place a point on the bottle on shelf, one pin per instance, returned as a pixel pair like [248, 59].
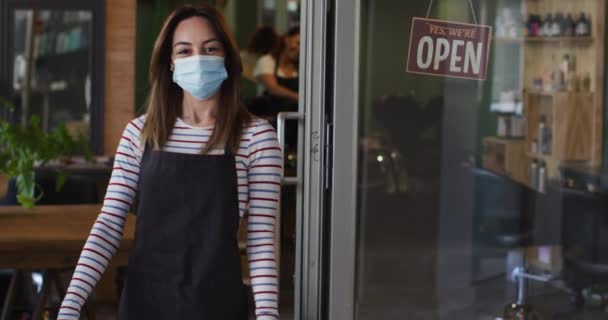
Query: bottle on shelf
[547, 80]
[546, 26]
[541, 129]
[556, 25]
[539, 24]
[534, 146]
[544, 136]
[569, 26]
[556, 76]
[534, 174]
[583, 26]
[569, 69]
[542, 177]
[565, 70]
[528, 26]
[533, 26]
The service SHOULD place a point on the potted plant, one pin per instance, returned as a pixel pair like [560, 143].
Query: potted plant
[23, 148]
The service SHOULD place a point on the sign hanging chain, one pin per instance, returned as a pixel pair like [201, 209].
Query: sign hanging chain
[473, 11]
[428, 11]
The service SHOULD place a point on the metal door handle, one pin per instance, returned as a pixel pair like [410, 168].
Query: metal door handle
[281, 118]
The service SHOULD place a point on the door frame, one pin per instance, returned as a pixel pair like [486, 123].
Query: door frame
[310, 189]
[343, 221]
[327, 194]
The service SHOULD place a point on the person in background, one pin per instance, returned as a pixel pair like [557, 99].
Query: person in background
[194, 163]
[278, 80]
[263, 41]
[277, 73]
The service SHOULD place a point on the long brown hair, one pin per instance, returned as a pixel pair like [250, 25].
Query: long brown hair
[278, 50]
[165, 99]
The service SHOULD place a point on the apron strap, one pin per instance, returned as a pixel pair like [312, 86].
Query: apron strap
[227, 150]
[147, 147]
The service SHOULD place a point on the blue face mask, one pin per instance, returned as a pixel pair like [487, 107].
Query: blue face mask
[201, 76]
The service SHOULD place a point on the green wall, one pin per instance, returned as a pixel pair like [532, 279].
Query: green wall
[245, 15]
[150, 17]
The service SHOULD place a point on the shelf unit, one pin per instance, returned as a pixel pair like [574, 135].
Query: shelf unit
[585, 40]
[575, 118]
[570, 115]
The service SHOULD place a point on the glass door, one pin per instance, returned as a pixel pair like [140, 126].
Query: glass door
[465, 199]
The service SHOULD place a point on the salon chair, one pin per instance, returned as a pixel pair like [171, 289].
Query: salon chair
[501, 219]
[585, 240]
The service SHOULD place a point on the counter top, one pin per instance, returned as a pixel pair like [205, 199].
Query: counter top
[52, 236]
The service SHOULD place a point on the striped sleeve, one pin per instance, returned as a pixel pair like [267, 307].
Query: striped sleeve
[106, 234]
[264, 178]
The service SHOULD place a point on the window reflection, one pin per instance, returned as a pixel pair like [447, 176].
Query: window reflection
[52, 67]
[485, 200]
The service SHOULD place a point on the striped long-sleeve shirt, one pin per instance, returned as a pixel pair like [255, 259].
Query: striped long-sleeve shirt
[258, 165]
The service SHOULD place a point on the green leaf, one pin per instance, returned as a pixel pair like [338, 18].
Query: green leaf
[26, 184]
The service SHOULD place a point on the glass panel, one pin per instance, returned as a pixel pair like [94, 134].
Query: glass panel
[484, 199]
[52, 67]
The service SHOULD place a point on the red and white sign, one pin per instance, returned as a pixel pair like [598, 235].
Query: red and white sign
[449, 49]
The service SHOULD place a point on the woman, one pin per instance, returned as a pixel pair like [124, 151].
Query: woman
[262, 42]
[197, 161]
[277, 73]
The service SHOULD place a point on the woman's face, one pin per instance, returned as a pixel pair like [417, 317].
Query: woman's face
[195, 36]
[292, 47]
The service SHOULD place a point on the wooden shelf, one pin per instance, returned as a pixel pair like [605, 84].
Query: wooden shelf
[541, 94]
[505, 139]
[537, 156]
[586, 40]
[556, 93]
[570, 116]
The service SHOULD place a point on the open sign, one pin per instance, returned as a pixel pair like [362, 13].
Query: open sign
[449, 49]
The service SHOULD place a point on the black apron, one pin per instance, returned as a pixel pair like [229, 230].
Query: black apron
[185, 263]
[269, 105]
[292, 84]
